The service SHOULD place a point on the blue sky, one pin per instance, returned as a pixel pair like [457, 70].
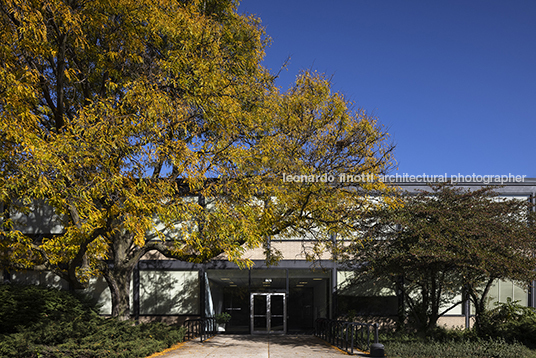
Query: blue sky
[453, 81]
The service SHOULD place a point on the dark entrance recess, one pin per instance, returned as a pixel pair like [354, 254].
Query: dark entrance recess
[236, 303]
[304, 293]
[301, 310]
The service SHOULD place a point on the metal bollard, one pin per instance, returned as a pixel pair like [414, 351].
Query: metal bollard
[377, 350]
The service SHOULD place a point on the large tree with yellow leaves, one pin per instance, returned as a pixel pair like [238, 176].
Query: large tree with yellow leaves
[151, 125]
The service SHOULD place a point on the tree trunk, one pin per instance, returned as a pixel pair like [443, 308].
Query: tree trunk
[118, 274]
[435, 301]
[118, 279]
[401, 311]
[479, 302]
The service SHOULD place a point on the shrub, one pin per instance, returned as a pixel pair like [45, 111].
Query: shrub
[62, 325]
[223, 317]
[511, 322]
[26, 305]
[477, 348]
[442, 342]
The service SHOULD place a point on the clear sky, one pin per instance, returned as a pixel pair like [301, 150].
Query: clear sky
[454, 81]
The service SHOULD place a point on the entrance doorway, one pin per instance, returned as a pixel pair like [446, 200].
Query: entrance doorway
[268, 313]
[279, 301]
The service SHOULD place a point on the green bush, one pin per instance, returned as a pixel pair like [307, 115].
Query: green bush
[47, 323]
[223, 317]
[26, 305]
[476, 348]
[511, 322]
[442, 342]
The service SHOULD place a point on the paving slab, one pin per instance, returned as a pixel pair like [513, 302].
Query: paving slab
[261, 346]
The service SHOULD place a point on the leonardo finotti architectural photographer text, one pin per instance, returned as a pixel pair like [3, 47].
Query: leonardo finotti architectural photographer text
[422, 178]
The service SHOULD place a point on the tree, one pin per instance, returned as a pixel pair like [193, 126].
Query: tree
[97, 96]
[152, 126]
[448, 240]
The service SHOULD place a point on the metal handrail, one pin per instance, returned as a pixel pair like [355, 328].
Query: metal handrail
[204, 328]
[348, 336]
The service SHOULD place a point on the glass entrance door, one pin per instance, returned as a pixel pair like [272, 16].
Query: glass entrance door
[268, 313]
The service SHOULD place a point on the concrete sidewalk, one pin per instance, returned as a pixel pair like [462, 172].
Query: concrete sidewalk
[248, 346]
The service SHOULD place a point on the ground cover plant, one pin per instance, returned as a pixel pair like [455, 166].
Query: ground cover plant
[458, 343]
[48, 323]
[508, 330]
[479, 348]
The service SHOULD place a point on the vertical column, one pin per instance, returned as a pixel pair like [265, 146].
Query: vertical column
[268, 313]
[250, 302]
[532, 295]
[203, 292]
[467, 310]
[333, 307]
[136, 291]
[287, 297]
[287, 283]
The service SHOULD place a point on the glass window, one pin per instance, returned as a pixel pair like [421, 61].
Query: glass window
[99, 293]
[228, 291]
[349, 284]
[458, 310]
[521, 294]
[268, 279]
[363, 296]
[506, 290]
[169, 292]
[502, 289]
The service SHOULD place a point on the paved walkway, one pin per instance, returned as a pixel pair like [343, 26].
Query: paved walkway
[264, 346]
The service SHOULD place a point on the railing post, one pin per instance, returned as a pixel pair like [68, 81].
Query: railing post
[368, 337]
[352, 342]
[331, 332]
[344, 335]
[362, 338]
[346, 325]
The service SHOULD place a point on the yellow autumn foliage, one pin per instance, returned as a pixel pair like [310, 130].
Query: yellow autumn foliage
[152, 125]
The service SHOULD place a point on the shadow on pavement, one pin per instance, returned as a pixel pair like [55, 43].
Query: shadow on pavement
[269, 346]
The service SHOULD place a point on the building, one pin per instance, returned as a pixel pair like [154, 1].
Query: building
[285, 298]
